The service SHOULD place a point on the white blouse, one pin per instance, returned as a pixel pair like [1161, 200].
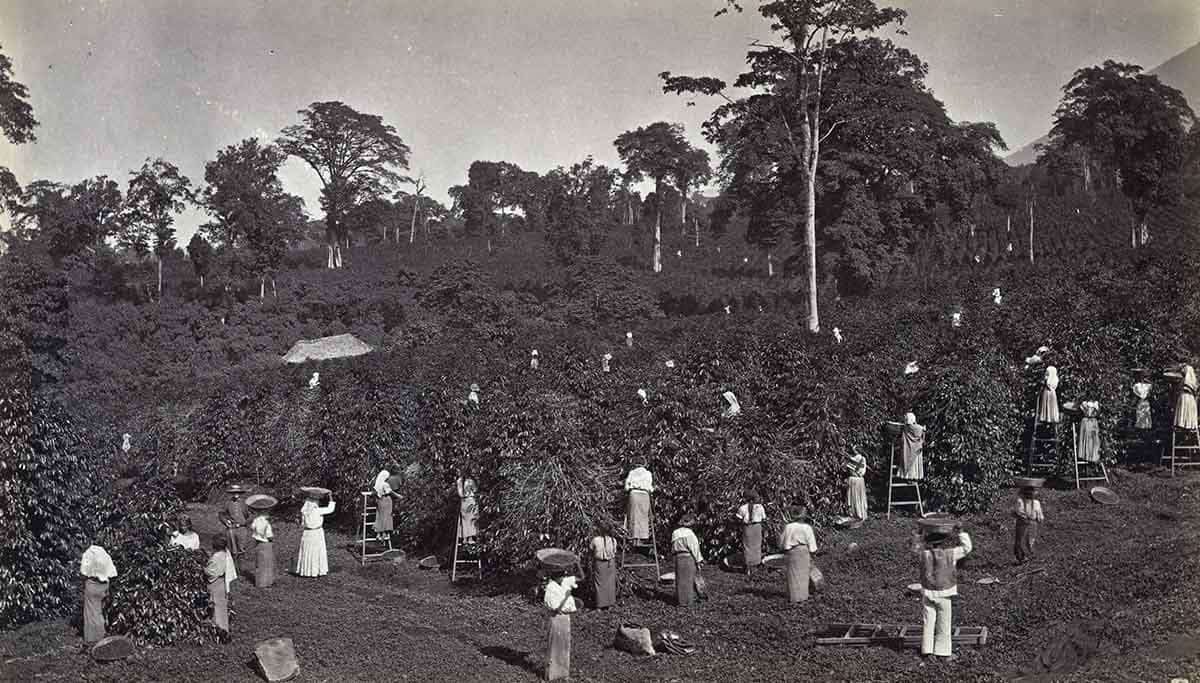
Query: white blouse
[758, 515]
[313, 515]
[558, 596]
[188, 541]
[639, 478]
[798, 533]
[261, 529]
[683, 540]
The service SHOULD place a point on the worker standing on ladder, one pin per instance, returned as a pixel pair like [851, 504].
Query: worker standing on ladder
[938, 550]
[383, 505]
[1185, 405]
[911, 446]
[468, 509]
[639, 484]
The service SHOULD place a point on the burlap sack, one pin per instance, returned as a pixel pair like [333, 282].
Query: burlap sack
[634, 638]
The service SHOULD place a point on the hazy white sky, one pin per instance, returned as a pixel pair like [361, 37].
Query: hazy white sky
[540, 83]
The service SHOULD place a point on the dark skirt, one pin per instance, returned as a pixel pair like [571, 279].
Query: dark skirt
[752, 543]
[1025, 537]
[264, 566]
[93, 610]
[383, 514]
[685, 579]
[239, 540]
[558, 659]
[799, 565]
[604, 582]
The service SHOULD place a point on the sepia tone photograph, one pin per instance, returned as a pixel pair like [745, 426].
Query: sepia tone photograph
[709, 341]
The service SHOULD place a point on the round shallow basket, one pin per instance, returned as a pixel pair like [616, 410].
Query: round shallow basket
[669, 577]
[261, 501]
[237, 488]
[893, 428]
[1071, 407]
[112, 648]
[941, 524]
[557, 558]
[913, 587]
[1173, 375]
[734, 562]
[1104, 496]
[775, 560]
[315, 491]
[429, 562]
[1029, 482]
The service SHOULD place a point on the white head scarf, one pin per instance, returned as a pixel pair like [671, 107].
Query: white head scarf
[381, 485]
[97, 564]
[910, 419]
[1189, 376]
[734, 408]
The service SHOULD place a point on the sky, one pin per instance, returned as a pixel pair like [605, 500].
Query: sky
[540, 83]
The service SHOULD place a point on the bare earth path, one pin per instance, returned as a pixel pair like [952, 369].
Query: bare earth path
[1124, 577]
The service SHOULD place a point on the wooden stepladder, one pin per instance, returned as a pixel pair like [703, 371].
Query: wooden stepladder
[896, 482]
[1075, 429]
[466, 555]
[639, 545]
[370, 509]
[1182, 454]
[894, 635]
[1047, 463]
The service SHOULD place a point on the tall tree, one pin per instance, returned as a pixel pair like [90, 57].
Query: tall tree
[241, 188]
[654, 152]
[269, 237]
[1135, 124]
[790, 95]
[579, 215]
[17, 123]
[355, 155]
[419, 187]
[692, 170]
[200, 252]
[156, 193]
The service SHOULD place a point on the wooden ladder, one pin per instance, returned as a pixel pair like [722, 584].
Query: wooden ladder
[459, 546]
[895, 635]
[895, 482]
[1084, 463]
[628, 543]
[1033, 466]
[366, 531]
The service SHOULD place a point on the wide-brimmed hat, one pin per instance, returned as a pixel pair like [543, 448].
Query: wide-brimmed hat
[261, 501]
[237, 488]
[314, 491]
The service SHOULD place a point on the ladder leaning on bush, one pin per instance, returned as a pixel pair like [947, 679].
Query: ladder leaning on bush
[460, 544]
[1032, 466]
[366, 528]
[1190, 456]
[627, 543]
[896, 482]
[1084, 463]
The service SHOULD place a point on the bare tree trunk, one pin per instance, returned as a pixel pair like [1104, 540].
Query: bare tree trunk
[1008, 224]
[770, 265]
[412, 228]
[274, 292]
[1087, 173]
[658, 241]
[1145, 232]
[262, 287]
[337, 256]
[489, 245]
[201, 280]
[1031, 230]
[696, 225]
[683, 217]
[160, 278]
[810, 236]
[329, 252]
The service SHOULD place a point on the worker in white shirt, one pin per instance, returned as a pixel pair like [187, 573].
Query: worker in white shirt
[686, 549]
[938, 552]
[561, 604]
[799, 543]
[752, 516]
[639, 484]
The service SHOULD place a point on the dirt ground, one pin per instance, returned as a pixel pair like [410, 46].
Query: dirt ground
[1117, 602]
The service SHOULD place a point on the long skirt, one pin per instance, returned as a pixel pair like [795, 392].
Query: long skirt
[752, 543]
[264, 565]
[468, 512]
[239, 540]
[1185, 411]
[1024, 539]
[312, 560]
[604, 582]
[856, 497]
[220, 603]
[1048, 408]
[1144, 418]
[1089, 439]
[799, 565]
[558, 660]
[93, 610]
[685, 579]
[383, 514]
[637, 514]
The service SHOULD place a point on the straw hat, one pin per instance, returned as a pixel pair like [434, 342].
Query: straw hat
[314, 491]
[261, 501]
[237, 488]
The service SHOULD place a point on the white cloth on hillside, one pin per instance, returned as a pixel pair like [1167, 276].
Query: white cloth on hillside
[797, 533]
[683, 540]
[261, 529]
[97, 564]
[639, 478]
[758, 515]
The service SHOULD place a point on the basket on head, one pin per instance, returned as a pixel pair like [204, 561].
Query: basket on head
[1029, 482]
[261, 501]
[942, 524]
[429, 562]
[237, 488]
[892, 428]
[557, 558]
[314, 491]
[112, 648]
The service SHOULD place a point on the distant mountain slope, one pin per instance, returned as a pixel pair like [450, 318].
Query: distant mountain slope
[1181, 72]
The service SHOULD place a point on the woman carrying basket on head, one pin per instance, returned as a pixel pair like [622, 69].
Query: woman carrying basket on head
[312, 560]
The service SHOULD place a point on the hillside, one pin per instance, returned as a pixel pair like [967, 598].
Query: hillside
[1181, 72]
